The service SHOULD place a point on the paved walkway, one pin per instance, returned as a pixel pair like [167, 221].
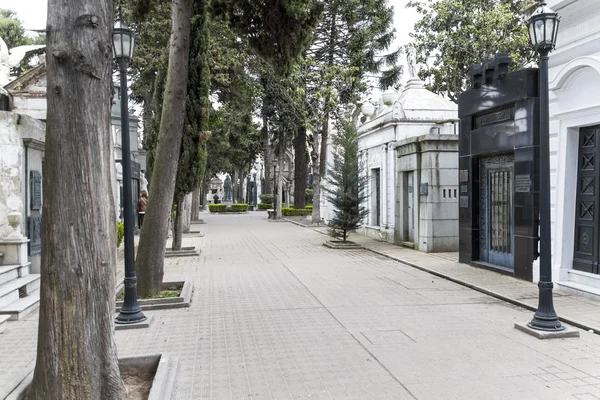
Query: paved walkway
[572, 308]
[276, 315]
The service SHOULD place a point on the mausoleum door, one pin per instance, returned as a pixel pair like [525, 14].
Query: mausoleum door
[497, 205]
[586, 254]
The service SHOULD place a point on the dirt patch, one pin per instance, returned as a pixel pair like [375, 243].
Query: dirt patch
[138, 385]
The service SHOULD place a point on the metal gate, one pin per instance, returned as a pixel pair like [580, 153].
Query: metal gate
[497, 220]
[585, 257]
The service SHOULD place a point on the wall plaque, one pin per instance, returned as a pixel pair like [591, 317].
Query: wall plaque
[464, 175]
[494, 117]
[464, 201]
[35, 234]
[424, 189]
[35, 179]
[523, 183]
[464, 188]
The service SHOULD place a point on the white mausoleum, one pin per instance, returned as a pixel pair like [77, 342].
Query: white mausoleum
[409, 153]
[575, 147]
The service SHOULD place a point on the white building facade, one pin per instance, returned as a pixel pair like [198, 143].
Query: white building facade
[409, 154]
[575, 147]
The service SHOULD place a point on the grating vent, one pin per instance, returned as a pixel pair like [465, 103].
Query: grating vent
[22, 293]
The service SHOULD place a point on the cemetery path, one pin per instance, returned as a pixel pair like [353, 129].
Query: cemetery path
[276, 315]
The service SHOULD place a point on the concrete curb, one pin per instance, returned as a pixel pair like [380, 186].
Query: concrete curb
[162, 384]
[183, 300]
[480, 289]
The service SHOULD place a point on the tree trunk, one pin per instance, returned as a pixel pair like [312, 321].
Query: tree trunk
[195, 204]
[177, 225]
[279, 203]
[187, 213]
[300, 168]
[316, 211]
[266, 189]
[323, 151]
[76, 350]
[151, 249]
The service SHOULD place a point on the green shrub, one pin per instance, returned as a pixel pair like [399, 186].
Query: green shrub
[239, 207]
[309, 207]
[267, 198]
[120, 233]
[217, 208]
[263, 206]
[309, 196]
[292, 212]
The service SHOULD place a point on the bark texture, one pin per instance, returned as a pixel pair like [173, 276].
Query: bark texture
[177, 225]
[151, 249]
[278, 203]
[76, 351]
[300, 168]
[194, 216]
[316, 211]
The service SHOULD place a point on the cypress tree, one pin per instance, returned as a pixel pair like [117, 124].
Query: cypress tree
[347, 191]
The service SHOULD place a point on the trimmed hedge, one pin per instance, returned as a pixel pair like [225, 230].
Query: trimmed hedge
[267, 198]
[292, 212]
[239, 207]
[217, 208]
[264, 206]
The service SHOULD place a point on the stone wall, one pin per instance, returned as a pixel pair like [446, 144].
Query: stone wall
[15, 131]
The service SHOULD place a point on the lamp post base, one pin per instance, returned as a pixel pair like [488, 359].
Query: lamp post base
[545, 318]
[130, 317]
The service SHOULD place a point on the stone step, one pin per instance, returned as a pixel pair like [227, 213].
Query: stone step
[21, 308]
[579, 289]
[9, 291]
[3, 324]
[584, 278]
[8, 273]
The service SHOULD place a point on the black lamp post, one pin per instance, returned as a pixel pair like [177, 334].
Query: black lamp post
[123, 53]
[543, 28]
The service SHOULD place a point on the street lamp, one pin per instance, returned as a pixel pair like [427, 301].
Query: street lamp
[543, 28]
[275, 186]
[123, 53]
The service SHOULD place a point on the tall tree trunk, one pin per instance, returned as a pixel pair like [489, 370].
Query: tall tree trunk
[151, 249]
[177, 225]
[187, 213]
[76, 350]
[278, 204]
[316, 211]
[266, 147]
[300, 168]
[195, 204]
[323, 151]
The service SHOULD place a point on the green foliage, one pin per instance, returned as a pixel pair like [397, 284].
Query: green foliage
[347, 192]
[193, 154]
[120, 233]
[452, 35]
[265, 206]
[239, 207]
[309, 196]
[217, 208]
[292, 212]
[277, 30]
[267, 198]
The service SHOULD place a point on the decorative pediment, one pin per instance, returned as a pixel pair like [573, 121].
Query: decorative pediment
[30, 84]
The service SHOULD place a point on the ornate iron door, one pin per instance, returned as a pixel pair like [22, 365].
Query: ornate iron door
[585, 257]
[497, 220]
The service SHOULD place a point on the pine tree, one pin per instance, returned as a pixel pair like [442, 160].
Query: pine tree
[347, 191]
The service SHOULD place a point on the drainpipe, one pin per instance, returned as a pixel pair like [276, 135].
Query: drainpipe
[26, 213]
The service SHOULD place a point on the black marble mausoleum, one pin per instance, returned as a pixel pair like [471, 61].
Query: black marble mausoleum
[498, 168]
